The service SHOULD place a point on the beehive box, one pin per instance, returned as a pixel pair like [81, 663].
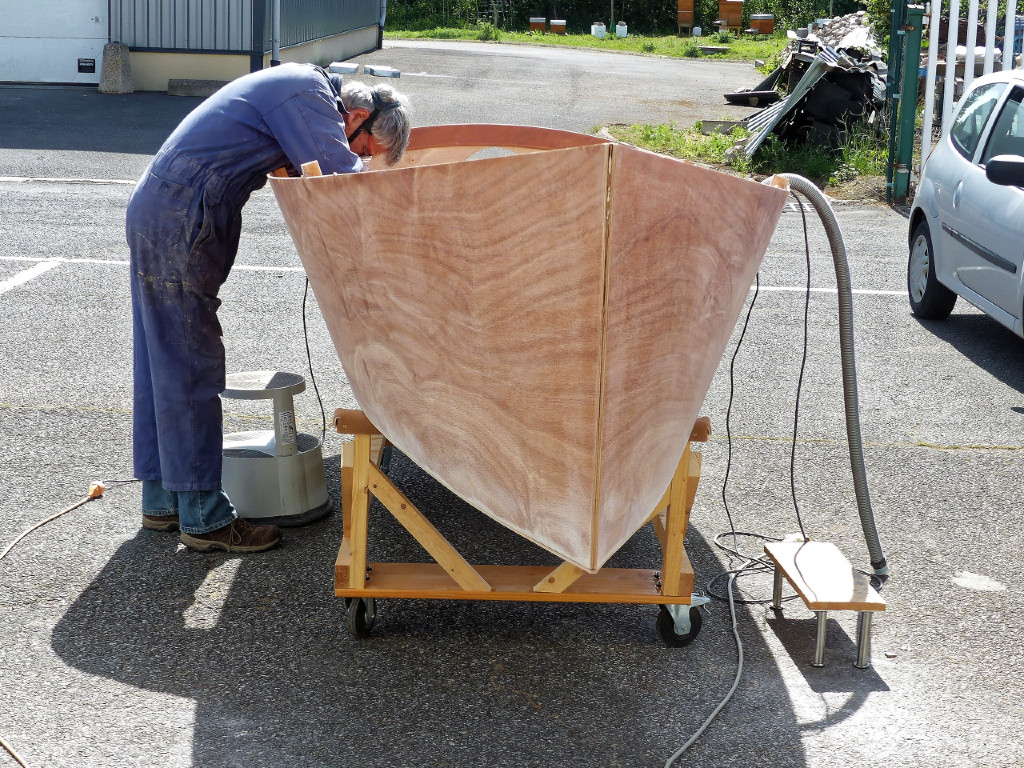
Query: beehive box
[730, 14]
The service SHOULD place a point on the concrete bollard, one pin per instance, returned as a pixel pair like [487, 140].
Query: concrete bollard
[116, 70]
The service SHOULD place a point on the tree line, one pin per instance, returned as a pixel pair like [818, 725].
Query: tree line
[645, 17]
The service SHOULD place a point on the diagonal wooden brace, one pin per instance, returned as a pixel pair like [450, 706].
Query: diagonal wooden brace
[424, 532]
[560, 579]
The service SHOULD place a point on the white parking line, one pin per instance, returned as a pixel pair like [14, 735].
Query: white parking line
[41, 267]
[855, 291]
[123, 263]
[46, 180]
[26, 275]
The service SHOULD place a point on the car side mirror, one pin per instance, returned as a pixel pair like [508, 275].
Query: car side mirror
[1006, 169]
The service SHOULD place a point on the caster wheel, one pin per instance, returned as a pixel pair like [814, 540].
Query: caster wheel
[670, 635]
[362, 612]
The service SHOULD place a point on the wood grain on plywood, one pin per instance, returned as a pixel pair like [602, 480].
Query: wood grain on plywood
[541, 354]
[469, 321]
[679, 273]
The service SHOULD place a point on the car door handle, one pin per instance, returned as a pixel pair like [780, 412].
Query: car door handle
[957, 193]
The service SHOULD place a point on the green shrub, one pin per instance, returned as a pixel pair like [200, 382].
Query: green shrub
[691, 49]
[488, 32]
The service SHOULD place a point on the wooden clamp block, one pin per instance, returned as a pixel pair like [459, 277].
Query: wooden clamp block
[349, 421]
[825, 581]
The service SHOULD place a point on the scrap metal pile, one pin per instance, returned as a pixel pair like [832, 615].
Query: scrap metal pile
[834, 77]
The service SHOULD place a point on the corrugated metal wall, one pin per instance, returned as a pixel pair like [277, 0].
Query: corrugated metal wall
[235, 26]
[305, 20]
[188, 25]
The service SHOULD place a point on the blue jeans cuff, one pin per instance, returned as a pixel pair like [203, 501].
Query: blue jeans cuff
[157, 501]
[204, 511]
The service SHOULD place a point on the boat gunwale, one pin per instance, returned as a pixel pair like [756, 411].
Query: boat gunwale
[498, 135]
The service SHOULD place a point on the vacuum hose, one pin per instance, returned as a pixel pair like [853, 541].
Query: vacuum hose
[860, 482]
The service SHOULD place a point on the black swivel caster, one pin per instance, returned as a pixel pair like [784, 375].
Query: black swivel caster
[669, 632]
[362, 612]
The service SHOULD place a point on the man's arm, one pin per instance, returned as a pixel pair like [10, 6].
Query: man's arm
[309, 127]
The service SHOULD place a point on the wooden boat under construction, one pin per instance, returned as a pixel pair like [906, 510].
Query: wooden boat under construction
[556, 301]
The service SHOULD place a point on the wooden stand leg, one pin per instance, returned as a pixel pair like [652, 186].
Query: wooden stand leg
[677, 516]
[360, 512]
[347, 462]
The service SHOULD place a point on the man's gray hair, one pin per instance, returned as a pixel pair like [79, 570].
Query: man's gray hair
[391, 126]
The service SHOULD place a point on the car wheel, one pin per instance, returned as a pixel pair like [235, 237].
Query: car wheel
[929, 298]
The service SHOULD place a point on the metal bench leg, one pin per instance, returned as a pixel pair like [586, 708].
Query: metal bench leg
[819, 642]
[777, 591]
[863, 640]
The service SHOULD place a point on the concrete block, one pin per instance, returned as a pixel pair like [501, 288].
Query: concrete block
[186, 87]
[116, 69]
[344, 67]
[379, 71]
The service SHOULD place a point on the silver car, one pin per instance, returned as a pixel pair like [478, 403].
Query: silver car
[967, 218]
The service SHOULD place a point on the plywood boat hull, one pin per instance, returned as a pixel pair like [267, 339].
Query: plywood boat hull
[537, 331]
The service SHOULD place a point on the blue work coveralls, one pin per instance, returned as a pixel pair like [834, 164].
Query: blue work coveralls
[183, 226]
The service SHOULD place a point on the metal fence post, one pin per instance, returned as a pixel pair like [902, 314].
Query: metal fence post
[892, 96]
[908, 103]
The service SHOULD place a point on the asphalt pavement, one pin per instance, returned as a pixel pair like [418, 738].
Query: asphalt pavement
[118, 647]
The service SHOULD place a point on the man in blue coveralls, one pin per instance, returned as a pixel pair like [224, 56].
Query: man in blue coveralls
[183, 226]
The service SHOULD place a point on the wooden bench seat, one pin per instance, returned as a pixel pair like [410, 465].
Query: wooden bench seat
[825, 581]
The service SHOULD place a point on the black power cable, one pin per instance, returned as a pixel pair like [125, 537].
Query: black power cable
[728, 410]
[309, 362]
[803, 364]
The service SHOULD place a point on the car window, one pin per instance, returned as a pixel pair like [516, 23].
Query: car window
[970, 120]
[1007, 136]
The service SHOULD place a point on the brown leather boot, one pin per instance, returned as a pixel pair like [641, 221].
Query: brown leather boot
[239, 536]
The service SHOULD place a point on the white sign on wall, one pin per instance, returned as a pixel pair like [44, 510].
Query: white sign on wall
[52, 41]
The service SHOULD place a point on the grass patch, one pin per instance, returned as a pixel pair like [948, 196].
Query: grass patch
[862, 153]
[688, 144]
[740, 49]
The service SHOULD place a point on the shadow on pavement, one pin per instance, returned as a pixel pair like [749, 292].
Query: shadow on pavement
[839, 675]
[259, 643]
[985, 342]
[88, 121]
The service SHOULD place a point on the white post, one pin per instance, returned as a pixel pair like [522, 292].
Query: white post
[929, 86]
[1008, 31]
[275, 35]
[952, 35]
[971, 43]
[990, 34]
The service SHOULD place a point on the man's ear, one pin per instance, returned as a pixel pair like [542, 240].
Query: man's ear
[354, 118]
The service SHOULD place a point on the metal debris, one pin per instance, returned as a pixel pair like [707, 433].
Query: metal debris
[830, 88]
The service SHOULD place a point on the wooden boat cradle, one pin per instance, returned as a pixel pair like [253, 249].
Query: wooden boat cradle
[451, 576]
